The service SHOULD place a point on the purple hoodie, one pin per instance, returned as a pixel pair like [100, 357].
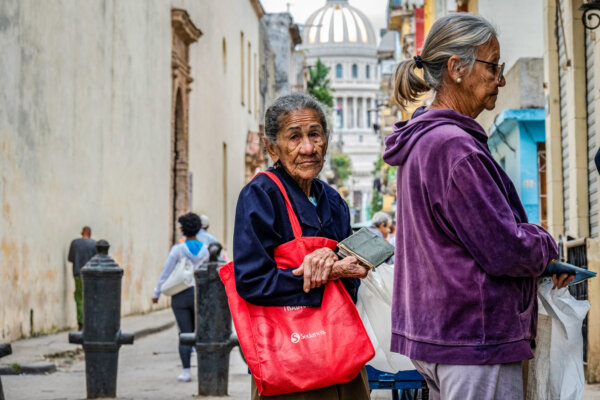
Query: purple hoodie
[466, 257]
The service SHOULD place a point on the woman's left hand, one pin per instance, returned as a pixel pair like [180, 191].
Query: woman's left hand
[316, 268]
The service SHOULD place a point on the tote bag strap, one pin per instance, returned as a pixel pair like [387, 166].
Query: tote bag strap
[291, 214]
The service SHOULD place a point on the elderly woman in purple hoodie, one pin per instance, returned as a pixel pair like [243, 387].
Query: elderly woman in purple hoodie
[465, 305]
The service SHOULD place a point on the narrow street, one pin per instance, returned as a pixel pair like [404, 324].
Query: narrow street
[147, 371]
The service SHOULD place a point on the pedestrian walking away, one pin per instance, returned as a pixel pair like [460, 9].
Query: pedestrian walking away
[465, 297]
[205, 237]
[80, 252]
[182, 303]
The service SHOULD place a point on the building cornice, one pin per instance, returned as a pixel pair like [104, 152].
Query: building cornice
[184, 27]
[295, 34]
[330, 51]
[258, 8]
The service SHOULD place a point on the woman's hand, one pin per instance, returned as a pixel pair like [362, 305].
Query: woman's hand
[348, 267]
[316, 268]
[562, 280]
[155, 300]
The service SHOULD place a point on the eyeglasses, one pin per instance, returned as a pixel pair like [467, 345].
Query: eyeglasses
[496, 67]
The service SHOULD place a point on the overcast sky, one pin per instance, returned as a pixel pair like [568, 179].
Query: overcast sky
[301, 9]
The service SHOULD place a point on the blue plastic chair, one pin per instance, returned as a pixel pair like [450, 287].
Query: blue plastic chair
[403, 383]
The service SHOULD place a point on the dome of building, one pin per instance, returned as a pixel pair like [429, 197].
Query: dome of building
[338, 23]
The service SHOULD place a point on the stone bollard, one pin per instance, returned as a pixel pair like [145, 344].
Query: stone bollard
[213, 339]
[5, 350]
[101, 336]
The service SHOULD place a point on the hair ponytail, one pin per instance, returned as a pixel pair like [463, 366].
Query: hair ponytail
[408, 85]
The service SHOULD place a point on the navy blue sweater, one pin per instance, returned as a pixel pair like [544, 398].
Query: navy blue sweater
[262, 223]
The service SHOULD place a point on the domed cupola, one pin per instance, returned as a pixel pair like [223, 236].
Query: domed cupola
[338, 23]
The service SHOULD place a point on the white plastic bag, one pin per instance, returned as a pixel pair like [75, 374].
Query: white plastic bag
[563, 378]
[375, 308]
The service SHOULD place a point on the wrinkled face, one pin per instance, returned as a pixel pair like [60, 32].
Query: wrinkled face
[301, 144]
[481, 84]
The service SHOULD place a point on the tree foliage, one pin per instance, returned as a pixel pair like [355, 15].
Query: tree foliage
[376, 202]
[318, 84]
[342, 168]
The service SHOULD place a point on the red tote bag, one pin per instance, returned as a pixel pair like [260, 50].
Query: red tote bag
[293, 349]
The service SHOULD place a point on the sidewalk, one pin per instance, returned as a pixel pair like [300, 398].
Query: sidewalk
[40, 356]
[35, 355]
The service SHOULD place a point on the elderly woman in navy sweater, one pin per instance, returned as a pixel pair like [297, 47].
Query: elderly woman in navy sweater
[296, 139]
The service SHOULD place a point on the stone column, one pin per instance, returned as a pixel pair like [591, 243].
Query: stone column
[374, 113]
[368, 108]
[334, 116]
[355, 111]
[345, 113]
[365, 113]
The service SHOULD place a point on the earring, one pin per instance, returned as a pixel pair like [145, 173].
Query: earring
[458, 80]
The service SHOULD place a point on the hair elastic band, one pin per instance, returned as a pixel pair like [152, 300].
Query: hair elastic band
[419, 61]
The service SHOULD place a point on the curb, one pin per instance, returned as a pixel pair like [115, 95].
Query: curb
[37, 368]
[155, 329]
[44, 367]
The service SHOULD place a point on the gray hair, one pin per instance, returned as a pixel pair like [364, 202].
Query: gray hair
[284, 105]
[380, 218]
[456, 34]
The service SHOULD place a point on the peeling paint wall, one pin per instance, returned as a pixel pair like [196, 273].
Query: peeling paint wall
[85, 130]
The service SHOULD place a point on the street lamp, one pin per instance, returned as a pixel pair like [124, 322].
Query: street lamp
[591, 14]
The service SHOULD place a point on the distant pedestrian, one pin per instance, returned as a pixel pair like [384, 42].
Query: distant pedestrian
[381, 224]
[80, 252]
[392, 236]
[182, 303]
[206, 237]
[465, 306]
[203, 234]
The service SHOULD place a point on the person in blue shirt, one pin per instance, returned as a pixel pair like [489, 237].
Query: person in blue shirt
[203, 234]
[182, 303]
[296, 138]
[206, 237]
[381, 225]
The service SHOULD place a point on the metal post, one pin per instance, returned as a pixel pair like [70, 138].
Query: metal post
[101, 336]
[213, 339]
[5, 350]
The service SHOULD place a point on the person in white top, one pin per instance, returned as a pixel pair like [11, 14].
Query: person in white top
[182, 303]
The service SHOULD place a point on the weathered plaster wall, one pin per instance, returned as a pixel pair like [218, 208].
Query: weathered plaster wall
[520, 33]
[217, 116]
[593, 355]
[83, 112]
[85, 138]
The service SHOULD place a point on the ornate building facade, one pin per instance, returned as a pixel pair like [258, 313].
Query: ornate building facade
[343, 38]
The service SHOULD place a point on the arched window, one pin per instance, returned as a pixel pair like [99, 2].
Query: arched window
[354, 71]
[368, 72]
[338, 71]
